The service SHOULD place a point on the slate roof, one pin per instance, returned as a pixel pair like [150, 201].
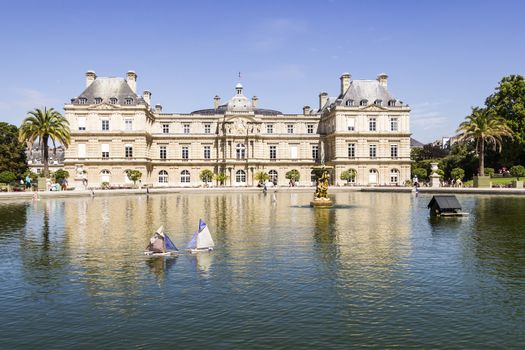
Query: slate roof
[370, 90]
[107, 88]
[415, 143]
[445, 202]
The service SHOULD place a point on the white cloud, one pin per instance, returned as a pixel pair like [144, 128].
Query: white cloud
[28, 99]
[273, 34]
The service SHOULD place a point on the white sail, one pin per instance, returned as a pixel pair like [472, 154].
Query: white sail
[204, 239]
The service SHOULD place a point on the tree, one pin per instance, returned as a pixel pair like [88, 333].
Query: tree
[517, 171]
[134, 175]
[45, 125]
[457, 174]
[60, 174]
[220, 178]
[12, 151]
[293, 175]
[420, 173]
[262, 176]
[7, 177]
[348, 175]
[206, 175]
[484, 127]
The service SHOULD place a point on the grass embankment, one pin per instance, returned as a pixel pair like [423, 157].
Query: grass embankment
[496, 181]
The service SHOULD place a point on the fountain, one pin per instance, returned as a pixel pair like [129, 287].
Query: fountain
[321, 199]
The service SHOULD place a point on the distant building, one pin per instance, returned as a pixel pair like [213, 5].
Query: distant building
[415, 143]
[35, 156]
[114, 129]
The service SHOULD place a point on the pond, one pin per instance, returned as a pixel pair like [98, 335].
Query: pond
[374, 271]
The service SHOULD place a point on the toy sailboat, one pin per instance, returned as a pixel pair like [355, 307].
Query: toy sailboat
[161, 244]
[201, 240]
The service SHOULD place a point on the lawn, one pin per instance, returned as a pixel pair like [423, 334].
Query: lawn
[496, 181]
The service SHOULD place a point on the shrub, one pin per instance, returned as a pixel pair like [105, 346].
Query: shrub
[348, 175]
[7, 177]
[293, 175]
[518, 171]
[206, 175]
[60, 174]
[262, 176]
[134, 175]
[457, 174]
[489, 172]
[420, 173]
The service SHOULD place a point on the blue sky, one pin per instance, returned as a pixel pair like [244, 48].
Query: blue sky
[442, 57]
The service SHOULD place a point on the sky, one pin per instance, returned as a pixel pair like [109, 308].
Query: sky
[442, 57]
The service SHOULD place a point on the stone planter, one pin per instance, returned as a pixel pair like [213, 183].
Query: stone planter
[482, 181]
[517, 184]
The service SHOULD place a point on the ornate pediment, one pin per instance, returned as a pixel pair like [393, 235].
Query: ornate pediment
[374, 108]
[239, 126]
[103, 106]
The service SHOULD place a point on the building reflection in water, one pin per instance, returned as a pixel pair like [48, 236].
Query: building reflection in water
[160, 266]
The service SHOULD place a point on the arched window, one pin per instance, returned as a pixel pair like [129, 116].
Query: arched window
[113, 100]
[98, 100]
[185, 176]
[350, 103]
[273, 176]
[82, 101]
[105, 175]
[378, 102]
[391, 103]
[394, 176]
[363, 103]
[372, 176]
[240, 176]
[240, 150]
[163, 177]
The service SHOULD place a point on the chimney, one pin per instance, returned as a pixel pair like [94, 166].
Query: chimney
[345, 82]
[323, 97]
[216, 101]
[147, 96]
[132, 80]
[158, 108]
[255, 100]
[90, 77]
[382, 79]
[306, 110]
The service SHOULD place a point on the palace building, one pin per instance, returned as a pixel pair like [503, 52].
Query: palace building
[114, 129]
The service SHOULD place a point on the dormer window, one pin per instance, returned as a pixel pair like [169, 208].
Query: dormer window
[363, 103]
[350, 103]
[391, 103]
[98, 100]
[128, 101]
[113, 100]
[82, 101]
[378, 102]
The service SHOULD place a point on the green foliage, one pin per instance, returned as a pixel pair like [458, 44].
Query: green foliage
[489, 172]
[45, 125]
[105, 185]
[220, 178]
[7, 177]
[12, 151]
[457, 174]
[60, 174]
[441, 174]
[484, 127]
[348, 175]
[517, 171]
[134, 175]
[293, 175]
[420, 173]
[262, 176]
[206, 175]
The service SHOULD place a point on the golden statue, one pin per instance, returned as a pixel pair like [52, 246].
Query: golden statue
[321, 198]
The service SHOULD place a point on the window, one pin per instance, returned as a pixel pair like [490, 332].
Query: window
[394, 176]
[81, 149]
[373, 151]
[104, 148]
[207, 128]
[240, 176]
[372, 123]
[105, 124]
[98, 100]
[289, 127]
[163, 152]
[240, 151]
[350, 122]
[353, 175]
[315, 152]
[273, 152]
[128, 151]
[165, 128]
[128, 124]
[391, 103]
[372, 176]
[393, 151]
[185, 152]
[128, 101]
[105, 175]
[378, 102]
[81, 123]
[186, 128]
[350, 103]
[351, 150]
[293, 151]
[269, 128]
[363, 102]
[207, 152]
[113, 100]
[82, 101]
[185, 176]
[310, 129]
[393, 124]
[273, 176]
[163, 177]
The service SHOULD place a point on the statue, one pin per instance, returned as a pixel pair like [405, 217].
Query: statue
[321, 199]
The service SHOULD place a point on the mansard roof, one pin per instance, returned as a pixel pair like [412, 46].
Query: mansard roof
[107, 88]
[369, 90]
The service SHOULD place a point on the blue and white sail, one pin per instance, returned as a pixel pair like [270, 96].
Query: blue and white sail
[201, 240]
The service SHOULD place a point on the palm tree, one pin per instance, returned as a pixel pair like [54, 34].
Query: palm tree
[484, 127]
[43, 125]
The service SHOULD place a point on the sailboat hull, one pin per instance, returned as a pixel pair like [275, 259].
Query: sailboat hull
[200, 250]
[148, 253]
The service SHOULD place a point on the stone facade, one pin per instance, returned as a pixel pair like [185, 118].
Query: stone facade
[114, 130]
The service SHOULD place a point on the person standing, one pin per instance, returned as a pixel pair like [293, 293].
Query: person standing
[28, 182]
